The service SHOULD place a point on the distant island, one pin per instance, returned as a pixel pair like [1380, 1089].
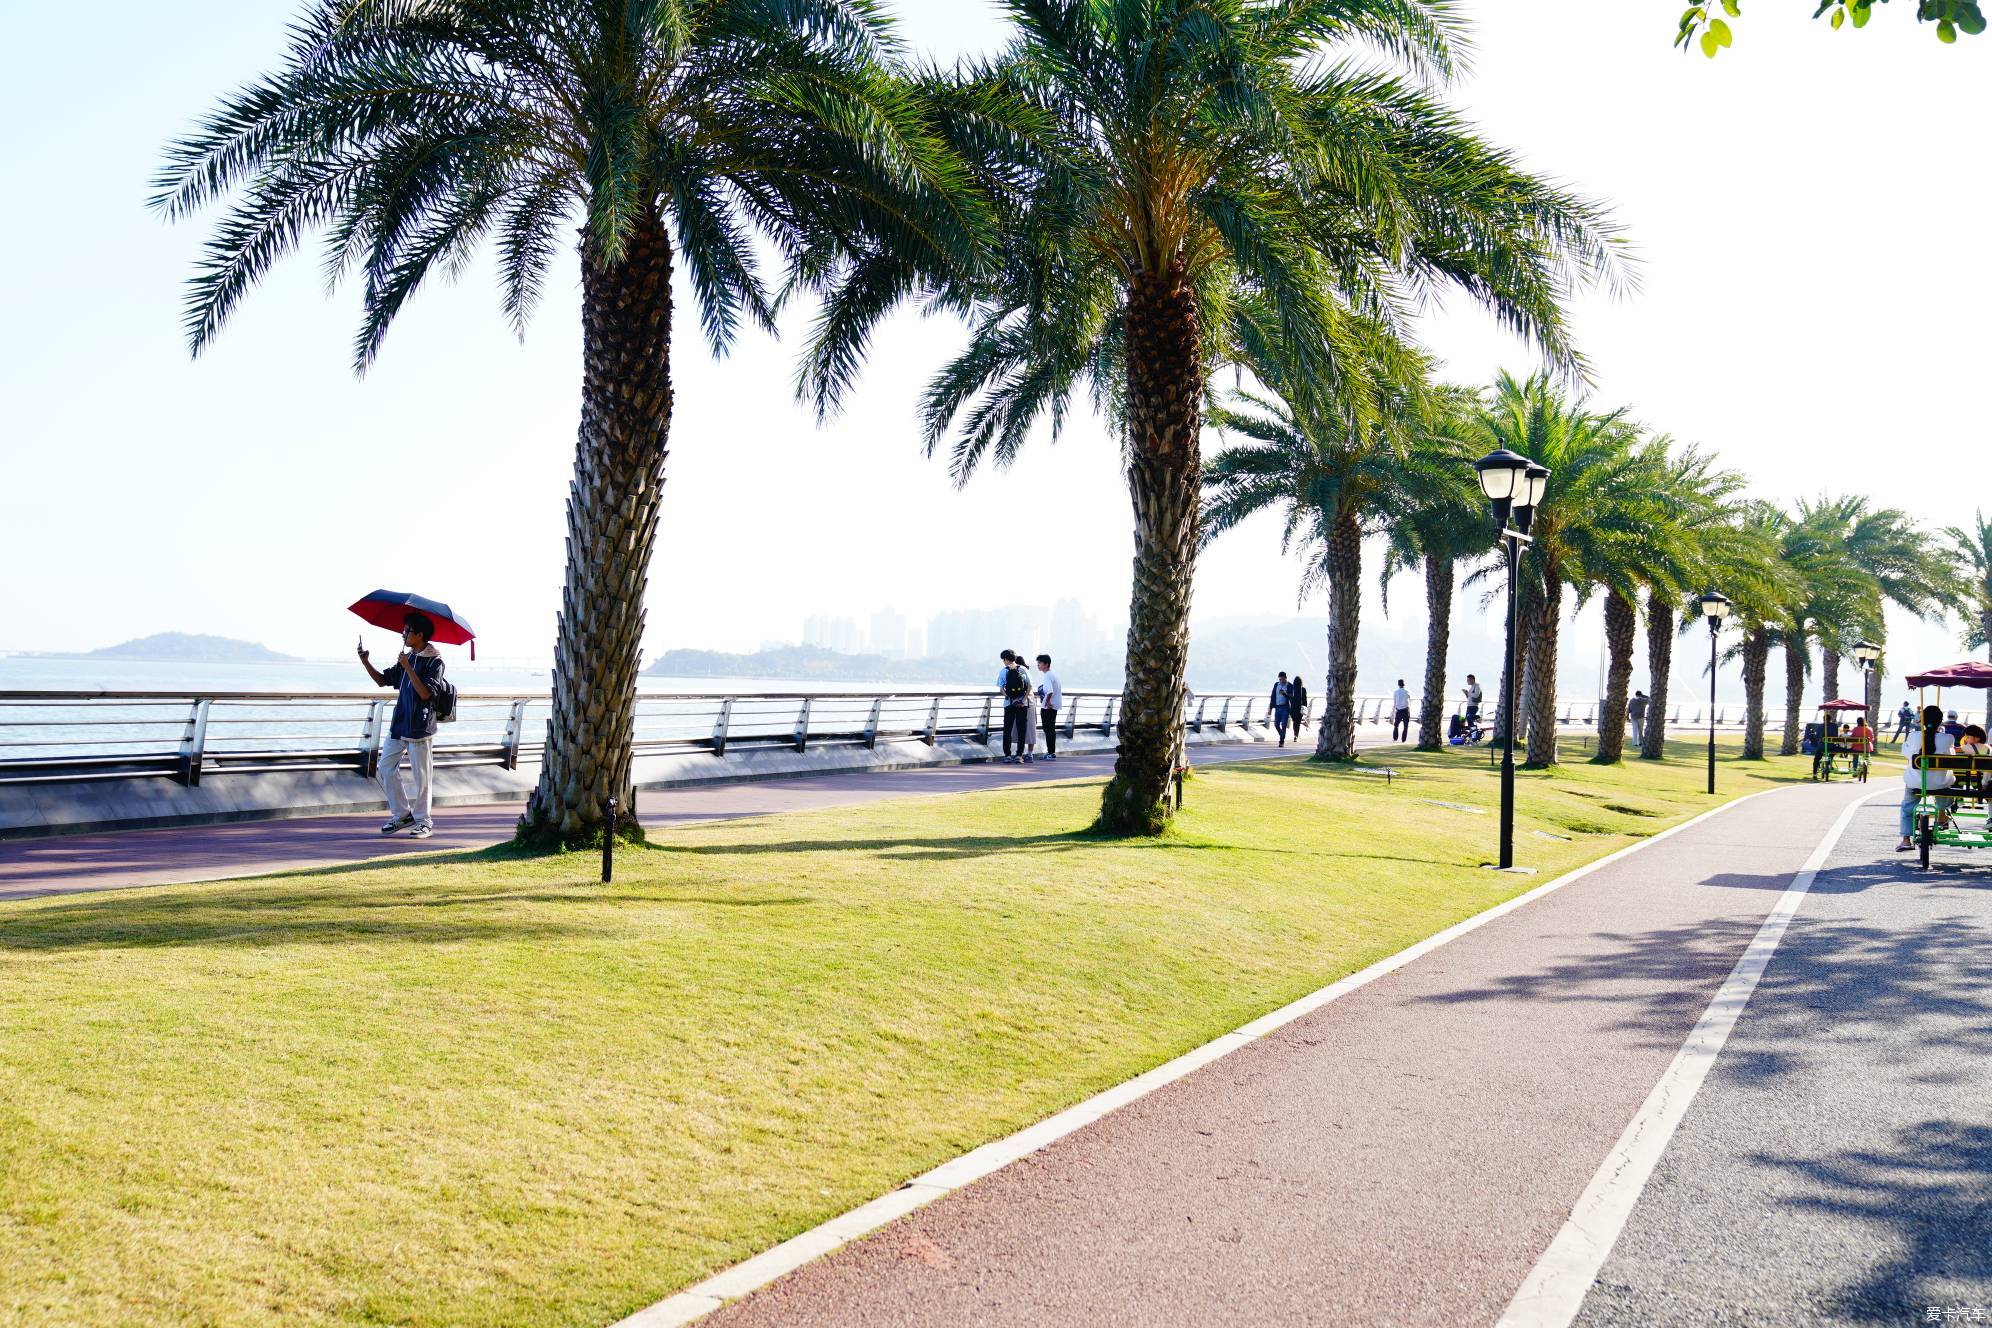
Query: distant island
[182, 648]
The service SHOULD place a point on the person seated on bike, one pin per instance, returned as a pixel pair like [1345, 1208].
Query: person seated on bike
[1861, 737]
[1914, 781]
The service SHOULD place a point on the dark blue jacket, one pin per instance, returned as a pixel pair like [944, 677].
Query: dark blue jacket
[414, 717]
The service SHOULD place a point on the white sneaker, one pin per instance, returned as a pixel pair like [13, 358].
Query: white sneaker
[401, 824]
[422, 831]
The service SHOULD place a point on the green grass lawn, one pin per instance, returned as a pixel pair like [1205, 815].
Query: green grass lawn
[477, 1088]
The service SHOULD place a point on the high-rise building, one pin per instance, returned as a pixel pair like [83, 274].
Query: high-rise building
[1075, 633]
[888, 633]
[829, 632]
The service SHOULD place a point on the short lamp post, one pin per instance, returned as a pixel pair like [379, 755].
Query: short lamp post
[1513, 485]
[1714, 607]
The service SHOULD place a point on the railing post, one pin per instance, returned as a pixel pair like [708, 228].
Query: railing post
[802, 727]
[515, 728]
[1107, 720]
[1198, 723]
[722, 726]
[1247, 721]
[934, 722]
[1224, 715]
[370, 731]
[982, 731]
[1072, 718]
[871, 724]
[193, 744]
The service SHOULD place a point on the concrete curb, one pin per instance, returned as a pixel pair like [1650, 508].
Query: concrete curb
[704, 1297]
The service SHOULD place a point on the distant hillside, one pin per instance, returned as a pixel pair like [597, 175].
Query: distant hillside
[187, 648]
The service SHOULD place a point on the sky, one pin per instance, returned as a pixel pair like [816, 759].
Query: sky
[1810, 306]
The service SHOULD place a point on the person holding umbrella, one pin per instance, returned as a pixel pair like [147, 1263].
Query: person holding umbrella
[418, 676]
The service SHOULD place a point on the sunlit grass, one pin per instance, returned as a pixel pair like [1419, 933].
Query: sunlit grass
[477, 1088]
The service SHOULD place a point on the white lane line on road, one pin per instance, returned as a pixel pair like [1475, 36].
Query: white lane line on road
[1554, 1291]
[704, 1297]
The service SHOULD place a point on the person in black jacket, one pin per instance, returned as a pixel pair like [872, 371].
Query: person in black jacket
[417, 676]
[1281, 702]
[1297, 703]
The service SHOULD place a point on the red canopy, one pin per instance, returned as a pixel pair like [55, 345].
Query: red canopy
[1844, 704]
[1971, 673]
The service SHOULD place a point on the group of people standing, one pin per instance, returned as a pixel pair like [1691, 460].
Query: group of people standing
[1030, 708]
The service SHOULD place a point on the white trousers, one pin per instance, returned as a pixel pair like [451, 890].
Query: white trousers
[398, 797]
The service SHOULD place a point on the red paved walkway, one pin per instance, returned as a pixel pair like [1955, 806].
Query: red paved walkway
[67, 863]
[1400, 1156]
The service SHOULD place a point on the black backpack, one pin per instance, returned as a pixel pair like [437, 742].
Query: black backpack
[1015, 686]
[442, 698]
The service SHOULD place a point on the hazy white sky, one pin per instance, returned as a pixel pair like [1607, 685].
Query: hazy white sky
[1805, 211]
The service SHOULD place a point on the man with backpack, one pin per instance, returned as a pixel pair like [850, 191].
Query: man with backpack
[1015, 685]
[422, 697]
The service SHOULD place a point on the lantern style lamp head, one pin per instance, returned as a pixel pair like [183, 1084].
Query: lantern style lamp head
[1534, 481]
[1714, 607]
[1504, 479]
[1867, 652]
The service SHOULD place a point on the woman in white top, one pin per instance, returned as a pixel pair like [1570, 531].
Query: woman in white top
[1914, 781]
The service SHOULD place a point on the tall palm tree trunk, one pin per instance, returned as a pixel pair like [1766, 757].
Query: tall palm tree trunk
[1438, 640]
[1165, 392]
[612, 507]
[1872, 693]
[1659, 668]
[1829, 673]
[1756, 661]
[1540, 677]
[1344, 559]
[1621, 629]
[1795, 666]
[1525, 607]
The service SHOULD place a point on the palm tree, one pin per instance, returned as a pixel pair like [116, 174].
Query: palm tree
[1340, 476]
[1972, 550]
[1444, 525]
[1693, 516]
[1827, 588]
[1588, 529]
[1185, 183]
[1745, 558]
[1905, 567]
[674, 132]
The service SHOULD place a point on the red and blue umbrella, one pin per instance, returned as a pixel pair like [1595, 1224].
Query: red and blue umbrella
[390, 608]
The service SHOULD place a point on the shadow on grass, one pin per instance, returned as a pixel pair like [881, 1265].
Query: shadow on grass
[955, 848]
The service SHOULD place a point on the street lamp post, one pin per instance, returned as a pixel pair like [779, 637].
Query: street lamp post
[1513, 485]
[1714, 607]
[1867, 653]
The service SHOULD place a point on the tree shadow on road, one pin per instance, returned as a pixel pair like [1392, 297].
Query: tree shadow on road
[1930, 1189]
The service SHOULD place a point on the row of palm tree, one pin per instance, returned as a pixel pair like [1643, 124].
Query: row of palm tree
[1630, 517]
[1128, 197]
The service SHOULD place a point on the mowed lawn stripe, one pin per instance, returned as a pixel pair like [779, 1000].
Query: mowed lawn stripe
[484, 1088]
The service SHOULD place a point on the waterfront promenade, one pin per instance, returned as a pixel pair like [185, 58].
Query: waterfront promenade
[1411, 1151]
[75, 863]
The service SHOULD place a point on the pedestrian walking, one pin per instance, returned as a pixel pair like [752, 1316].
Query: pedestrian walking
[1472, 694]
[1015, 685]
[417, 677]
[1400, 713]
[1905, 719]
[1297, 704]
[1051, 699]
[1282, 703]
[1635, 713]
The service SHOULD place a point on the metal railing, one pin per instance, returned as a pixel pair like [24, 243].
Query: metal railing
[66, 736]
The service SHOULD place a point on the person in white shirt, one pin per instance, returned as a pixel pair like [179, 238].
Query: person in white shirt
[1400, 713]
[1051, 699]
[1914, 781]
[1472, 693]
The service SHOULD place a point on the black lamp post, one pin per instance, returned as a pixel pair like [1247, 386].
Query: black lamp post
[1714, 607]
[1513, 485]
[1866, 653]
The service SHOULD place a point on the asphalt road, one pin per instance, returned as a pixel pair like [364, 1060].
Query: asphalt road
[1837, 1165]
[1405, 1154]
